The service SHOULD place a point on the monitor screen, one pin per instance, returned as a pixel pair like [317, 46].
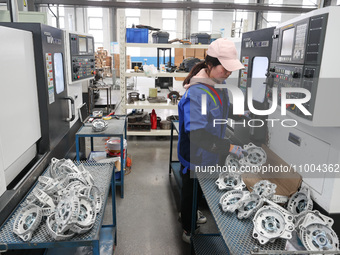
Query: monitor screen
[82, 44]
[287, 42]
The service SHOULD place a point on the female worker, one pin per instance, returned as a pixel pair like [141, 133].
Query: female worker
[201, 142]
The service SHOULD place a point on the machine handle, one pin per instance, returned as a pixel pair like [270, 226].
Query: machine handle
[72, 109]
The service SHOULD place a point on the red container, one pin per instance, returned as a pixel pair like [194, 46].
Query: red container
[153, 119]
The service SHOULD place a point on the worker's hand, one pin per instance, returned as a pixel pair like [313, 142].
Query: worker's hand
[237, 151]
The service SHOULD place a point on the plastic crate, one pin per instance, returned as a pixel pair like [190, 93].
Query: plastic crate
[160, 37]
[137, 35]
[200, 38]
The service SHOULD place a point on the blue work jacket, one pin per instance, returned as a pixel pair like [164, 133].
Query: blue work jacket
[191, 118]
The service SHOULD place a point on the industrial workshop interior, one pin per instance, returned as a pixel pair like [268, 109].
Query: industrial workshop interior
[169, 127]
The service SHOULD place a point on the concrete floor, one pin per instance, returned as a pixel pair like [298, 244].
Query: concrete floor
[147, 216]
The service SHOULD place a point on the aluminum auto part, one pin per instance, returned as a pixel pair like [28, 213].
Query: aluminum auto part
[230, 181]
[231, 200]
[67, 212]
[256, 156]
[27, 222]
[232, 162]
[43, 198]
[279, 199]
[264, 188]
[48, 185]
[316, 233]
[299, 219]
[249, 206]
[94, 195]
[270, 223]
[319, 237]
[99, 125]
[62, 167]
[77, 177]
[300, 201]
[52, 228]
[86, 174]
[87, 213]
[315, 217]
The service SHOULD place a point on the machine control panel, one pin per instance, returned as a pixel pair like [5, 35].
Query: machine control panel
[284, 76]
[82, 57]
[82, 67]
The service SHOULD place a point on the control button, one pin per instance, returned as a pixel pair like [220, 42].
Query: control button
[296, 75]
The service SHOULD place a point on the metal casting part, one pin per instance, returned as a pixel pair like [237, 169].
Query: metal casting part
[300, 201]
[230, 181]
[231, 200]
[249, 206]
[27, 222]
[271, 223]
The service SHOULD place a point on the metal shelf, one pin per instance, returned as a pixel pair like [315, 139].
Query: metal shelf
[146, 105]
[152, 132]
[237, 234]
[167, 45]
[209, 244]
[176, 168]
[159, 74]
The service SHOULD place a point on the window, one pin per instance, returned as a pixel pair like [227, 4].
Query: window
[310, 3]
[95, 25]
[273, 18]
[132, 17]
[205, 21]
[169, 22]
[53, 10]
[240, 18]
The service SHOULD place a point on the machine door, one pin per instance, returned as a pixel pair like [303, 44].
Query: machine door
[58, 104]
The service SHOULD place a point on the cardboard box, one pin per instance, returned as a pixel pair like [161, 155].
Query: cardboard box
[287, 183]
[116, 58]
[189, 53]
[179, 78]
[179, 52]
[108, 61]
[178, 60]
[199, 53]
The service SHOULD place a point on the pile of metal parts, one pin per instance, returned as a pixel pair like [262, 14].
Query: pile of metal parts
[255, 157]
[67, 201]
[271, 220]
[245, 202]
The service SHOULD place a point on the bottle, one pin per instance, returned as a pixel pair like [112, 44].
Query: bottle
[153, 119]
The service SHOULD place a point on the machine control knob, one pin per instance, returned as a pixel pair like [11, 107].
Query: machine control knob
[296, 75]
[75, 68]
[309, 74]
[272, 69]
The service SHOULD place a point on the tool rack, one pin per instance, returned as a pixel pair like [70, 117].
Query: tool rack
[101, 238]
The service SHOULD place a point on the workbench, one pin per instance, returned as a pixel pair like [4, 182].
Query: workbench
[101, 238]
[235, 236]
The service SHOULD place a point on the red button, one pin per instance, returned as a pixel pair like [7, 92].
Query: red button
[78, 76]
